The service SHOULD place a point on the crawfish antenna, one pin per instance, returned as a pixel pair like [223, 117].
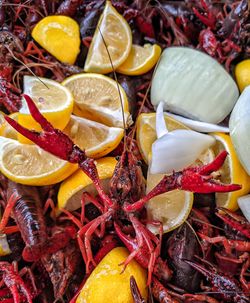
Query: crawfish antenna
[117, 83]
[25, 65]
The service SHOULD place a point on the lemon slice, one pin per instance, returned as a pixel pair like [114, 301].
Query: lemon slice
[146, 133]
[95, 138]
[231, 172]
[97, 98]
[60, 36]
[54, 100]
[70, 191]
[6, 130]
[141, 59]
[29, 164]
[107, 283]
[117, 36]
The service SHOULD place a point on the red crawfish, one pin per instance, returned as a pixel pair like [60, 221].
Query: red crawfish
[58, 252]
[227, 287]
[121, 203]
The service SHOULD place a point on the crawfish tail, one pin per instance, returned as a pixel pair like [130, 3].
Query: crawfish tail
[29, 217]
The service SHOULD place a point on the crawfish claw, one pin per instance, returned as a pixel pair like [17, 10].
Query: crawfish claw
[50, 139]
[201, 180]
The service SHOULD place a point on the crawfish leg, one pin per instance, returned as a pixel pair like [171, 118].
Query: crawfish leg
[10, 205]
[14, 282]
[245, 267]
[86, 232]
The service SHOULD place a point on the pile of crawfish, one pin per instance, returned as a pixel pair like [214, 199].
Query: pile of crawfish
[207, 259]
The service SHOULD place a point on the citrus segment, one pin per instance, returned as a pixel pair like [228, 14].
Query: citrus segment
[95, 138]
[60, 36]
[29, 164]
[141, 59]
[107, 283]
[70, 191]
[146, 132]
[53, 100]
[97, 98]
[112, 41]
[231, 172]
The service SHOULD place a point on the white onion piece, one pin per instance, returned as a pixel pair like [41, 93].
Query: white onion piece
[239, 125]
[161, 128]
[194, 85]
[177, 149]
[199, 126]
[244, 204]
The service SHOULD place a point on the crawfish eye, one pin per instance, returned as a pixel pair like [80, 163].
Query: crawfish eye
[139, 163]
[117, 158]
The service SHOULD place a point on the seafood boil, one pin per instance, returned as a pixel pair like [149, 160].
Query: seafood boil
[83, 216]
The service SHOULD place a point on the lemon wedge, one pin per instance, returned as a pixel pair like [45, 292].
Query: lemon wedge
[29, 164]
[112, 37]
[60, 36]
[95, 138]
[71, 189]
[231, 172]
[54, 101]
[97, 98]
[107, 283]
[146, 133]
[141, 59]
[5, 129]
[171, 208]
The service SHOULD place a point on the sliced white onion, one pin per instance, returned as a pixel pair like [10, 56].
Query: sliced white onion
[161, 127]
[199, 126]
[239, 125]
[177, 149]
[244, 204]
[194, 85]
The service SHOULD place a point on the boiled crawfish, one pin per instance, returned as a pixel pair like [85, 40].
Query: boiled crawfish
[59, 248]
[125, 199]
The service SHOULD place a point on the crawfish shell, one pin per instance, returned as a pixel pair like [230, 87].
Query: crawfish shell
[182, 245]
